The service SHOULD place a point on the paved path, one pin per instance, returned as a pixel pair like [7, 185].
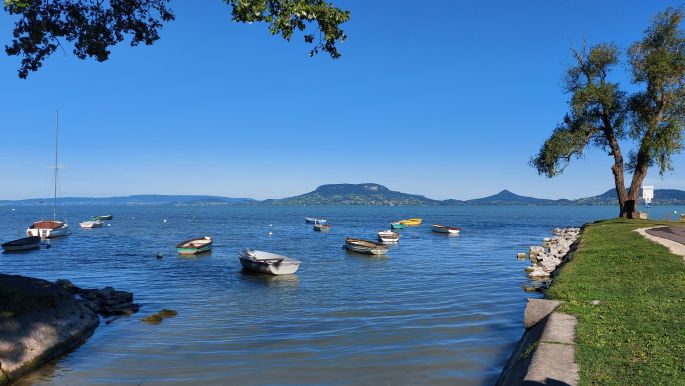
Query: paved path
[671, 237]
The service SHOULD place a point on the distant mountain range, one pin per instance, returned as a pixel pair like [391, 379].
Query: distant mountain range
[349, 194]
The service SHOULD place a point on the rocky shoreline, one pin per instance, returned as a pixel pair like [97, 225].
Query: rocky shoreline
[40, 320]
[545, 354]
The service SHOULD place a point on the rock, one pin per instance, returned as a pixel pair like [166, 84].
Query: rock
[107, 292]
[538, 309]
[167, 313]
[530, 268]
[92, 305]
[153, 319]
[127, 309]
[538, 272]
[67, 285]
[90, 294]
[521, 255]
[123, 296]
[548, 266]
[595, 302]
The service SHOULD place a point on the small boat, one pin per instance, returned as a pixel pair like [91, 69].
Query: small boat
[396, 225]
[101, 218]
[24, 244]
[90, 224]
[195, 246]
[365, 246]
[412, 222]
[312, 220]
[48, 228]
[388, 237]
[443, 229]
[266, 262]
[322, 227]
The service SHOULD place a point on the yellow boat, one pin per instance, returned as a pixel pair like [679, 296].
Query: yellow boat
[412, 222]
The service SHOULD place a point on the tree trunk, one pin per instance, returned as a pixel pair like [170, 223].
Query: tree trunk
[618, 168]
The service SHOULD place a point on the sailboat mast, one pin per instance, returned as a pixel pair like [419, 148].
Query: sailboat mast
[54, 208]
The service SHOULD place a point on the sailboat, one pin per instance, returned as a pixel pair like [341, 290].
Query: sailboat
[51, 228]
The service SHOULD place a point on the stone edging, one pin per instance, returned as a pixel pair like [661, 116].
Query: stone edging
[546, 353]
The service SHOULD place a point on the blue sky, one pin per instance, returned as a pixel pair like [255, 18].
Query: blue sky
[442, 98]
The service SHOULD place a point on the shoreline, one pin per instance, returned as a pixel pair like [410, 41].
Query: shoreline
[41, 320]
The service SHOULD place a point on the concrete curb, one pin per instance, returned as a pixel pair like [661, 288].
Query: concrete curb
[545, 355]
[674, 247]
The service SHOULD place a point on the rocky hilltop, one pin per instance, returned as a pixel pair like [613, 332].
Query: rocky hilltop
[354, 194]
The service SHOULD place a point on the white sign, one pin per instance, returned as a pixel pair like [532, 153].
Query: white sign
[648, 194]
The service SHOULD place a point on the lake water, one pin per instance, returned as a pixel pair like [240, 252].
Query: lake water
[436, 310]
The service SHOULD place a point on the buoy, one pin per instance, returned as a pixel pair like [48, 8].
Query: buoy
[13, 209]
[521, 255]
[159, 255]
[269, 224]
[164, 221]
[270, 233]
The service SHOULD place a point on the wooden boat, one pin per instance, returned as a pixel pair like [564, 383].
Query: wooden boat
[48, 228]
[195, 246]
[312, 220]
[412, 222]
[266, 262]
[24, 244]
[322, 227]
[51, 228]
[396, 225]
[443, 229]
[101, 218]
[388, 237]
[365, 246]
[90, 224]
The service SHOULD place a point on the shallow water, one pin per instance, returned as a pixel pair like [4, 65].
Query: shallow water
[436, 310]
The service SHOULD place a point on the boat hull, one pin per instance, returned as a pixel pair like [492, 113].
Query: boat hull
[412, 222]
[285, 267]
[311, 220]
[445, 230]
[389, 237]
[322, 228]
[90, 224]
[195, 246]
[46, 233]
[365, 246]
[25, 244]
[396, 225]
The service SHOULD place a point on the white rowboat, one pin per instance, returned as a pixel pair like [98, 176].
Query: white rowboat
[443, 229]
[388, 237]
[266, 262]
[90, 224]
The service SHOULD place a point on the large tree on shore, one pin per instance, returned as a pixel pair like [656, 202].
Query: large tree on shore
[94, 26]
[604, 116]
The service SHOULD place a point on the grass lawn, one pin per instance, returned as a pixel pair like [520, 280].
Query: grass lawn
[636, 335]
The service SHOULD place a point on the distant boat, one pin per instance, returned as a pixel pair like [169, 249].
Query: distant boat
[388, 237]
[322, 227]
[365, 246]
[24, 244]
[51, 228]
[101, 218]
[312, 220]
[396, 225]
[412, 222]
[443, 229]
[195, 246]
[90, 224]
[266, 262]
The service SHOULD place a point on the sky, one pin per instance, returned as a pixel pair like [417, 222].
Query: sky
[447, 99]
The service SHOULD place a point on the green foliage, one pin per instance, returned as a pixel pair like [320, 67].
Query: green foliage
[93, 26]
[635, 336]
[597, 105]
[658, 112]
[287, 16]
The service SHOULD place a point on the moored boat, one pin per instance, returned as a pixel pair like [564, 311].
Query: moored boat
[90, 224]
[23, 244]
[312, 220]
[194, 246]
[48, 228]
[388, 237]
[267, 262]
[443, 229]
[365, 246]
[412, 222]
[322, 227]
[101, 218]
[51, 228]
[396, 225]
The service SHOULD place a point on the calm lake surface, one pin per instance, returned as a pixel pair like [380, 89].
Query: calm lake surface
[437, 310]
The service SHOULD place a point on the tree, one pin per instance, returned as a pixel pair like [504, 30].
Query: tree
[602, 115]
[93, 26]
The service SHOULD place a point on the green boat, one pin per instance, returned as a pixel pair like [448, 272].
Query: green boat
[101, 218]
[195, 246]
[396, 225]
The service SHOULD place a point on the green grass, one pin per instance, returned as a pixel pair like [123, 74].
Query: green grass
[636, 335]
